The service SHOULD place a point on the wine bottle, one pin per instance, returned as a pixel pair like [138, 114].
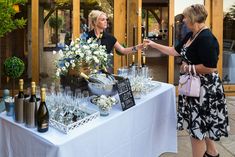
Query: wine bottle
[31, 109]
[21, 89]
[90, 79]
[33, 93]
[143, 61]
[133, 60]
[42, 113]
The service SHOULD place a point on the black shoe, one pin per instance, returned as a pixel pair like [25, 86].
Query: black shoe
[208, 155]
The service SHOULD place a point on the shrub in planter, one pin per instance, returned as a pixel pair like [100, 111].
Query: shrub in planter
[13, 68]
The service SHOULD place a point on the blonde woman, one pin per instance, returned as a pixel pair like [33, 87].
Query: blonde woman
[206, 116]
[97, 26]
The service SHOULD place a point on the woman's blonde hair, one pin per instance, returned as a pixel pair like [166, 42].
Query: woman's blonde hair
[93, 17]
[196, 13]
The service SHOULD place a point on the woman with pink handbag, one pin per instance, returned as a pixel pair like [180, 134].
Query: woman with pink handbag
[205, 114]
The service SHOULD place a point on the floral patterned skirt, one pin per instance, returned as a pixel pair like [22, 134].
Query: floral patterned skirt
[206, 116]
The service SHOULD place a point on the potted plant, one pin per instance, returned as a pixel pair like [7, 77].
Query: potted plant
[55, 23]
[13, 68]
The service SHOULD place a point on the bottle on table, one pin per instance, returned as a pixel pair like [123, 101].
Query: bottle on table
[19, 103]
[21, 89]
[143, 60]
[133, 61]
[42, 113]
[90, 79]
[31, 108]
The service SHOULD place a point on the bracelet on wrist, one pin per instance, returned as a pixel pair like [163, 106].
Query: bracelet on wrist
[134, 49]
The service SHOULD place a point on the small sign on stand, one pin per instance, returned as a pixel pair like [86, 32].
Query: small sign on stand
[125, 94]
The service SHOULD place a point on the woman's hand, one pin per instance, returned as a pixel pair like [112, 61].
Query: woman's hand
[139, 46]
[184, 67]
[147, 42]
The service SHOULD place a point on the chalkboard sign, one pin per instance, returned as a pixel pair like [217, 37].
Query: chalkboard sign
[125, 94]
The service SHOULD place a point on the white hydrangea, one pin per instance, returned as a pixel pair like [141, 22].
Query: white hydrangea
[80, 51]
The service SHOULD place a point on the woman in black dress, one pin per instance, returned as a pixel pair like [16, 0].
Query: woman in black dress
[97, 26]
[206, 116]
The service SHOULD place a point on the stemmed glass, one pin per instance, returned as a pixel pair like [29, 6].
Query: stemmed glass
[84, 101]
[77, 96]
[145, 46]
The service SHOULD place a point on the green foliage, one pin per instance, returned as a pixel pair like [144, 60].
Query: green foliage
[13, 67]
[53, 23]
[7, 13]
[63, 2]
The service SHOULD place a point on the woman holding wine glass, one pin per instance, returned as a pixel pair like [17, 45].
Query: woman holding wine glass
[97, 26]
[206, 116]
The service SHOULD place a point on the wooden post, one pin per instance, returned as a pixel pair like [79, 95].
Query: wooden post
[119, 28]
[217, 29]
[76, 19]
[139, 29]
[35, 40]
[170, 28]
[208, 6]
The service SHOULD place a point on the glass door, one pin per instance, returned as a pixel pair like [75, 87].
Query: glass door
[155, 26]
[229, 42]
[55, 30]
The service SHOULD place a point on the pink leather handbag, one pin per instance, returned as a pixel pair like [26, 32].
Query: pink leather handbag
[190, 84]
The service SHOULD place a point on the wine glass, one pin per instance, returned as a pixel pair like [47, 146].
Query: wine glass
[77, 96]
[145, 46]
[85, 97]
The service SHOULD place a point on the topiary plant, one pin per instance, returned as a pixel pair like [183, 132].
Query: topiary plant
[13, 68]
[53, 22]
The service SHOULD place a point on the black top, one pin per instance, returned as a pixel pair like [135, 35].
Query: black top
[106, 39]
[203, 50]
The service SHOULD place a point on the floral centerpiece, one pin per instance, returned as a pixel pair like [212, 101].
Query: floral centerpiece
[104, 103]
[82, 53]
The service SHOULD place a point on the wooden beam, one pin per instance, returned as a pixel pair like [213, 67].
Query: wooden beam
[131, 25]
[229, 88]
[217, 29]
[170, 28]
[119, 29]
[35, 41]
[208, 6]
[139, 29]
[76, 18]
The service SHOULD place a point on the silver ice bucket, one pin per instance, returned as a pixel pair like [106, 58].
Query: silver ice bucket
[102, 89]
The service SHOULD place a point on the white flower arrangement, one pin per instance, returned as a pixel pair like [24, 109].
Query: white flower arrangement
[104, 102]
[79, 52]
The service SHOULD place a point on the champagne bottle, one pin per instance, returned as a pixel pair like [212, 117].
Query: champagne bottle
[133, 60]
[143, 61]
[33, 91]
[31, 109]
[42, 113]
[90, 79]
[21, 89]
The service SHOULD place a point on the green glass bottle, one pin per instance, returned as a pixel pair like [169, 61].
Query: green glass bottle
[21, 89]
[42, 113]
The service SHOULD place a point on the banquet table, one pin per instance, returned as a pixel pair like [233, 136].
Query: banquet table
[147, 129]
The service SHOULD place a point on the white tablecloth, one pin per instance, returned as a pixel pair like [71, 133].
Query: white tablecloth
[145, 130]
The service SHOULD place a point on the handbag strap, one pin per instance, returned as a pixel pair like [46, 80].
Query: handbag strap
[194, 70]
[189, 69]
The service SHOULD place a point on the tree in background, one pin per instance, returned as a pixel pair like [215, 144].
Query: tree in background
[7, 16]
